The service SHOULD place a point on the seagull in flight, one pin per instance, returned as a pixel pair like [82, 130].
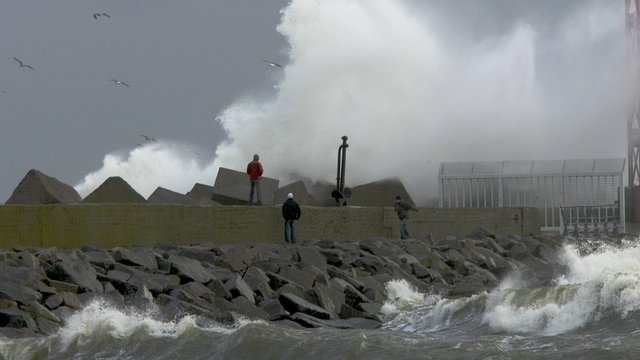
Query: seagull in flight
[118, 82]
[23, 64]
[147, 138]
[274, 64]
[96, 15]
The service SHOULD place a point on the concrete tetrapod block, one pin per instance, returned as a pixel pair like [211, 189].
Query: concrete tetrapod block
[300, 194]
[379, 193]
[38, 188]
[232, 188]
[165, 196]
[114, 190]
[203, 194]
[321, 192]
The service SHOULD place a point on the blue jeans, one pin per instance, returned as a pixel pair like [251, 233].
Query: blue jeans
[290, 231]
[404, 234]
[255, 185]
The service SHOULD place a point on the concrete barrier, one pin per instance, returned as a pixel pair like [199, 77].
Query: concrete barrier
[109, 225]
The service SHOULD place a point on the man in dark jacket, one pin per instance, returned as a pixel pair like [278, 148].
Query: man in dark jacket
[254, 169]
[402, 209]
[290, 212]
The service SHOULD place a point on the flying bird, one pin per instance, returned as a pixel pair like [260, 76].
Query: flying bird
[118, 82]
[23, 64]
[147, 138]
[97, 15]
[274, 64]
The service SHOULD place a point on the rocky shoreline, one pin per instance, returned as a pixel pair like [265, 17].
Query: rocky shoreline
[318, 283]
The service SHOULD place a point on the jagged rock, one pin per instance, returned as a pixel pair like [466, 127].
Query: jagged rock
[258, 281]
[99, 257]
[237, 287]
[249, 309]
[189, 269]
[28, 260]
[145, 258]
[172, 306]
[206, 254]
[19, 284]
[68, 267]
[239, 257]
[327, 297]
[334, 257]
[36, 310]
[274, 309]
[38, 188]
[47, 327]
[217, 287]
[295, 275]
[481, 232]
[114, 190]
[293, 304]
[311, 256]
[14, 318]
[156, 283]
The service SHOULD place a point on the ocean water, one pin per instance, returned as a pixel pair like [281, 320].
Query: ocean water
[590, 312]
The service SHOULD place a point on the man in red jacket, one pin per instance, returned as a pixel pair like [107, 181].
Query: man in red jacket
[254, 169]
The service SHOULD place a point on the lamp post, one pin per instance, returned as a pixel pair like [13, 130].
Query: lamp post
[338, 193]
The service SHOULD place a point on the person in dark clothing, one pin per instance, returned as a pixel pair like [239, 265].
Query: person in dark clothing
[402, 209]
[254, 169]
[290, 212]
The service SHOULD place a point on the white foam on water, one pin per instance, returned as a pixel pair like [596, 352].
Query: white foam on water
[401, 296]
[98, 318]
[608, 281]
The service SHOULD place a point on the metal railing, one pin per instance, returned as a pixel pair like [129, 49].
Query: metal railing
[563, 184]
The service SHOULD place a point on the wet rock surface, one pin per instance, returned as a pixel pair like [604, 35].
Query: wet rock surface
[315, 284]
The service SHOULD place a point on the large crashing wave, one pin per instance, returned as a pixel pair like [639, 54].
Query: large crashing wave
[601, 289]
[409, 97]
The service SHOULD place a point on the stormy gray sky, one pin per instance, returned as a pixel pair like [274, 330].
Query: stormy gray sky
[190, 61]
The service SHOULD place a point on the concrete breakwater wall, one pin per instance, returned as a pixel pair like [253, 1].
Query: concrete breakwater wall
[108, 225]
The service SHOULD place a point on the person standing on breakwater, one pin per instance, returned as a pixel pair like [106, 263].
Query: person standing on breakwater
[254, 169]
[290, 212]
[402, 209]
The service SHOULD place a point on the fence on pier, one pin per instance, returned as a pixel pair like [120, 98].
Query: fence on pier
[572, 196]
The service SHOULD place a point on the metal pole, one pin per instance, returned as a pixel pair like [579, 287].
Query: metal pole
[344, 147]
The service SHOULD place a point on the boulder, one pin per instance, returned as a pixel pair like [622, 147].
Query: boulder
[274, 309]
[189, 269]
[72, 267]
[293, 304]
[237, 287]
[249, 309]
[258, 281]
[142, 257]
[19, 284]
[14, 318]
[38, 188]
[114, 190]
[327, 297]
